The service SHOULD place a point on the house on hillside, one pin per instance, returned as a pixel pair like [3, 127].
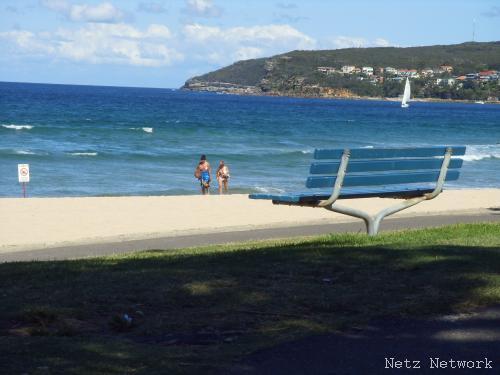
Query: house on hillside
[445, 81]
[326, 69]
[412, 73]
[391, 70]
[348, 69]
[488, 75]
[427, 72]
[368, 70]
[446, 68]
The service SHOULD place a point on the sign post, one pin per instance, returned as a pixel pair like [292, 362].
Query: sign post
[23, 173]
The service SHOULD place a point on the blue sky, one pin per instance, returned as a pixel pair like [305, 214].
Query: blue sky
[155, 43]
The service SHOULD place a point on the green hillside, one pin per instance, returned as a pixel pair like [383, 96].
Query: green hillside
[295, 73]
[246, 72]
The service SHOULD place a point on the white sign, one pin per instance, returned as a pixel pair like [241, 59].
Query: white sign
[23, 172]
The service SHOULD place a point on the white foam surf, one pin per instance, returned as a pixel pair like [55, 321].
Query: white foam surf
[481, 152]
[268, 190]
[84, 153]
[146, 129]
[18, 127]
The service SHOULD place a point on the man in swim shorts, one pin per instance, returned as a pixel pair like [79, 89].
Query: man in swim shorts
[202, 173]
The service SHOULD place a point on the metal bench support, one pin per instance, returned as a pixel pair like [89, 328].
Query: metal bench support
[373, 222]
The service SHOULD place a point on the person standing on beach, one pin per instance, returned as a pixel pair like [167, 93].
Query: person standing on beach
[222, 176]
[202, 173]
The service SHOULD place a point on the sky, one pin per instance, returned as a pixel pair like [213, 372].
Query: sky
[155, 43]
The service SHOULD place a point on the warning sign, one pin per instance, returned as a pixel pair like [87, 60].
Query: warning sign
[23, 172]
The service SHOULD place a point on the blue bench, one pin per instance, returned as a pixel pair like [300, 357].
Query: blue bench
[412, 174]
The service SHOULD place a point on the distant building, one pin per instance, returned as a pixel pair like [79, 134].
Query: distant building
[427, 72]
[326, 69]
[471, 76]
[390, 70]
[348, 69]
[412, 73]
[488, 75]
[357, 70]
[461, 78]
[368, 70]
[446, 68]
[445, 81]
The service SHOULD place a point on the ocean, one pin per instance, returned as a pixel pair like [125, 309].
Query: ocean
[107, 141]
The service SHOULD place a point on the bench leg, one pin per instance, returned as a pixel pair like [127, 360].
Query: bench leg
[373, 222]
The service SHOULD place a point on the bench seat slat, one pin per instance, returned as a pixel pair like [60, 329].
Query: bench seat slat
[357, 166]
[400, 191]
[387, 153]
[380, 179]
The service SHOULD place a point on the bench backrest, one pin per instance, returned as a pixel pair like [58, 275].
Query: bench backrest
[384, 166]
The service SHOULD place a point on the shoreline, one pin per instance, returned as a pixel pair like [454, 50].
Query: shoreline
[374, 98]
[36, 223]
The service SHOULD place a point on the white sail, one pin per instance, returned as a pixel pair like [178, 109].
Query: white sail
[406, 94]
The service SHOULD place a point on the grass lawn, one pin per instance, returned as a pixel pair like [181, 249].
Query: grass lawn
[198, 310]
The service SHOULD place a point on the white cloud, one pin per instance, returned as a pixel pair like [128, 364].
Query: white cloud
[56, 5]
[286, 5]
[11, 9]
[264, 35]
[246, 53]
[103, 12]
[27, 41]
[151, 7]
[355, 42]
[101, 43]
[202, 8]
[223, 46]
[156, 44]
[381, 42]
[494, 11]
[158, 31]
[349, 42]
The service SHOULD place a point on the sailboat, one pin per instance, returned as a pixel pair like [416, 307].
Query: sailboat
[406, 94]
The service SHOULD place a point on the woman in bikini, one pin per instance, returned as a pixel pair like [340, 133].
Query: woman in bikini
[222, 176]
[202, 173]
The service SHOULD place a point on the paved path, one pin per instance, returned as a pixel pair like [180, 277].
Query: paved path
[376, 348]
[176, 242]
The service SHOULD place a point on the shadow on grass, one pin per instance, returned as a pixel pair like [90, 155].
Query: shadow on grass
[451, 344]
[200, 309]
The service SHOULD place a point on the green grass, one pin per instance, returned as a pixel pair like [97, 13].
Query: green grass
[200, 309]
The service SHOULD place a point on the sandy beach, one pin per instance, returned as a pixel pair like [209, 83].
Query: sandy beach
[36, 223]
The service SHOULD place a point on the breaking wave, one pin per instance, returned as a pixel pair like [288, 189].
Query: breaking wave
[481, 152]
[268, 190]
[18, 127]
[84, 153]
[145, 129]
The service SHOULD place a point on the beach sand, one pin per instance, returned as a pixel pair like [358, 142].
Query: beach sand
[36, 223]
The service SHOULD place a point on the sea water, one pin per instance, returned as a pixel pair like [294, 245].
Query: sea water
[100, 141]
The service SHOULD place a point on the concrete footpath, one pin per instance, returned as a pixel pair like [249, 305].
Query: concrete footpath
[182, 241]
